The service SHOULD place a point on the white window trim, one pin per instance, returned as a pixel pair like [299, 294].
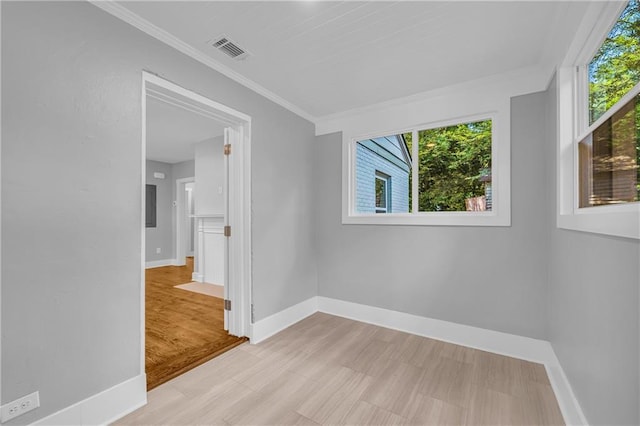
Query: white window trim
[501, 175]
[621, 220]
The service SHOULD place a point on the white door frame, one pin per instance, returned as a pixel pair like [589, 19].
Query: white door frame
[239, 218]
[181, 221]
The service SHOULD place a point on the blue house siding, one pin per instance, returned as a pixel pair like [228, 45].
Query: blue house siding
[367, 163]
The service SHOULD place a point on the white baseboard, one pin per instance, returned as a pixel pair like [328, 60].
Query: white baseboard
[103, 408]
[569, 405]
[160, 263]
[195, 276]
[267, 327]
[539, 351]
[473, 337]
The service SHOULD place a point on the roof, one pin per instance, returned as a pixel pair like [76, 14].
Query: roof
[393, 148]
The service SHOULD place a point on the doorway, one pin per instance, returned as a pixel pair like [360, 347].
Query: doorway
[234, 217]
[189, 212]
[186, 220]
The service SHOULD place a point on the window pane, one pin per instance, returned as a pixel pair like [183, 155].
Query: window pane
[454, 168]
[382, 184]
[615, 69]
[408, 139]
[383, 171]
[381, 193]
[609, 159]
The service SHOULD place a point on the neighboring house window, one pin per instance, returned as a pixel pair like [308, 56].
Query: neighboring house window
[383, 192]
[600, 191]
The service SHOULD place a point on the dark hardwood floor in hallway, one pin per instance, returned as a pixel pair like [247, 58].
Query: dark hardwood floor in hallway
[183, 328]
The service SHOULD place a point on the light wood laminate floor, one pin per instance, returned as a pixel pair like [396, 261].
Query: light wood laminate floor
[330, 371]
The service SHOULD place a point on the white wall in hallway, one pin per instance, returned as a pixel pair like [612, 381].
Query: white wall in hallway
[209, 168]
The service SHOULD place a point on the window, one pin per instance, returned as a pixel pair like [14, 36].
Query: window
[447, 173]
[383, 192]
[599, 126]
[609, 155]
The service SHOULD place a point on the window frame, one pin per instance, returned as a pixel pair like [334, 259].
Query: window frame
[622, 220]
[500, 215]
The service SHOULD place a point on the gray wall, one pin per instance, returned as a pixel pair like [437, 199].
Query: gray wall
[182, 170]
[162, 235]
[490, 277]
[593, 318]
[209, 176]
[71, 188]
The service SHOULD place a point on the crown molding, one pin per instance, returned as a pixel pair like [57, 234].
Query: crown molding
[124, 14]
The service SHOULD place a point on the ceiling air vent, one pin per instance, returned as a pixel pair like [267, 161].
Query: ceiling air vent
[227, 46]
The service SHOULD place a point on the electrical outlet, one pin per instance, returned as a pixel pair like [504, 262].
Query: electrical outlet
[20, 406]
[158, 250]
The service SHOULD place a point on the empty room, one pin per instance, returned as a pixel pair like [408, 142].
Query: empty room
[407, 212]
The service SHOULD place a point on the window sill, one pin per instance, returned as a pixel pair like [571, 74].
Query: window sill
[619, 221]
[430, 219]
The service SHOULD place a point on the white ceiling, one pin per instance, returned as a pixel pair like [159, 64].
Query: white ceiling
[172, 132]
[329, 57]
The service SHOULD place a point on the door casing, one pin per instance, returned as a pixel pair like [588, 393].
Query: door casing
[238, 285]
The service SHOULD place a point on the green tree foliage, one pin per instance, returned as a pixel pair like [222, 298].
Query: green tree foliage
[615, 68]
[450, 163]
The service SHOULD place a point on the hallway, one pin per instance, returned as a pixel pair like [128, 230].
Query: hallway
[183, 328]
